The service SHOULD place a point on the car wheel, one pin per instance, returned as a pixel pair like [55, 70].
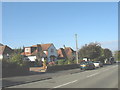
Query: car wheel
[83, 69]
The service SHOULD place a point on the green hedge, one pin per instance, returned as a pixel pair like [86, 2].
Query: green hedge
[61, 62]
[14, 66]
[61, 67]
[12, 69]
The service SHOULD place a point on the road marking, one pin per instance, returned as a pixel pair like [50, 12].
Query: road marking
[110, 68]
[65, 84]
[92, 75]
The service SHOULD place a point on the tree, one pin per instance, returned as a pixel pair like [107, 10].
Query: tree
[117, 55]
[18, 50]
[107, 53]
[17, 59]
[91, 51]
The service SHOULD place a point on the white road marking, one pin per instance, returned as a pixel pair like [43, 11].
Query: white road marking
[65, 84]
[92, 75]
[110, 68]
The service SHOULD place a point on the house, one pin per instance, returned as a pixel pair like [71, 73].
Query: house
[33, 53]
[70, 53]
[41, 52]
[61, 54]
[66, 53]
[50, 51]
[1, 44]
[5, 52]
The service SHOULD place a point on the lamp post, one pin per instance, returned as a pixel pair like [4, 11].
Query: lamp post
[76, 48]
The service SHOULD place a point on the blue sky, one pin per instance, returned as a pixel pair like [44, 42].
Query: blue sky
[35, 23]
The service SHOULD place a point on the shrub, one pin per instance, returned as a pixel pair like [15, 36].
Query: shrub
[75, 61]
[61, 62]
[70, 62]
[45, 62]
[52, 63]
[17, 59]
[66, 62]
[14, 66]
[56, 62]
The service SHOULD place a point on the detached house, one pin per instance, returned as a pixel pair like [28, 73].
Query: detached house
[70, 53]
[5, 52]
[33, 53]
[41, 52]
[61, 54]
[50, 51]
[66, 53]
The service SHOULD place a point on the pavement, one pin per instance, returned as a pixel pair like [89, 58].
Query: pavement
[34, 77]
[105, 77]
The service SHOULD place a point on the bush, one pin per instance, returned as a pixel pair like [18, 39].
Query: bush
[102, 58]
[70, 62]
[61, 62]
[56, 62]
[75, 61]
[66, 62]
[12, 69]
[45, 62]
[17, 59]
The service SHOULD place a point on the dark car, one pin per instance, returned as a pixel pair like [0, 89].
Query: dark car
[87, 65]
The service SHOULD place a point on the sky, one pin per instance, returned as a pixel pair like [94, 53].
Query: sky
[26, 24]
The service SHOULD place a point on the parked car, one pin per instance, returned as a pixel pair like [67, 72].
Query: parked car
[97, 64]
[87, 65]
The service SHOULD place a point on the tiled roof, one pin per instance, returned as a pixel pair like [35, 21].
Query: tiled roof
[2, 49]
[1, 44]
[69, 51]
[5, 49]
[46, 46]
[69, 48]
[38, 45]
[61, 53]
[34, 52]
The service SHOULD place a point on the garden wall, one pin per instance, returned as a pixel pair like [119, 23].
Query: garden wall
[61, 67]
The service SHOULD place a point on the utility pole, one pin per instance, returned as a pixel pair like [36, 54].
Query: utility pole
[76, 48]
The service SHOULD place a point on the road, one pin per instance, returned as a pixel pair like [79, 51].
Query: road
[105, 77]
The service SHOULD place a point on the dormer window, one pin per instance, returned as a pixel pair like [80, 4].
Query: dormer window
[27, 49]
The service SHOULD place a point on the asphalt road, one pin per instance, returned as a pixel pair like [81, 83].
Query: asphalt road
[105, 77]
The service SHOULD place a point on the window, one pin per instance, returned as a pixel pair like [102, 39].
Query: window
[27, 49]
[52, 50]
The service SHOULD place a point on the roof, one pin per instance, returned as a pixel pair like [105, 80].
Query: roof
[61, 53]
[5, 49]
[35, 51]
[38, 45]
[69, 48]
[2, 49]
[1, 44]
[45, 47]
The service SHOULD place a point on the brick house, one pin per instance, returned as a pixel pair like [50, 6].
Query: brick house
[66, 53]
[61, 54]
[70, 53]
[5, 52]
